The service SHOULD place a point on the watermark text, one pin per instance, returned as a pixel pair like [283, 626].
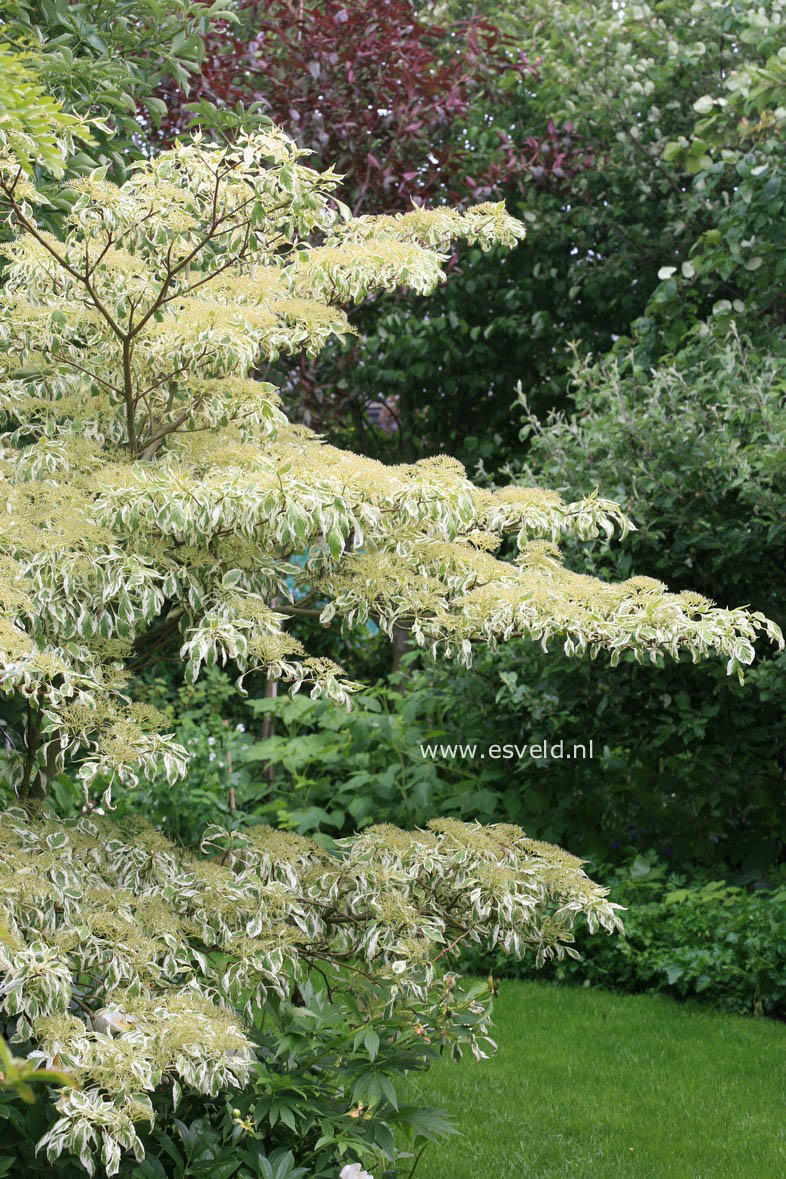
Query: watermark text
[537, 750]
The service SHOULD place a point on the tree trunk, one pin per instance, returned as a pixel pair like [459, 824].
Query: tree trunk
[400, 645]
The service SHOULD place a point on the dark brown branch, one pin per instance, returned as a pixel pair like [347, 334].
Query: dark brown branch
[152, 446]
[88, 373]
[128, 394]
[297, 611]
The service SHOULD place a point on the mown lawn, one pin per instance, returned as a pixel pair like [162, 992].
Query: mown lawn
[599, 1086]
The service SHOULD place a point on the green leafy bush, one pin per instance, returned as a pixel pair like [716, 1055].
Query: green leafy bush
[262, 997]
[318, 771]
[706, 940]
[103, 59]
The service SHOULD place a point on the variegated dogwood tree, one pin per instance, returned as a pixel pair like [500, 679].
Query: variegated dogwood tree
[154, 491]
[155, 977]
[155, 496]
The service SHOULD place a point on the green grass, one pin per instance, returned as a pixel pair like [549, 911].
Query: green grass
[600, 1086]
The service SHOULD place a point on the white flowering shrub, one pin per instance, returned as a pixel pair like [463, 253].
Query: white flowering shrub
[244, 1014]
[160, 981]
[154, 496]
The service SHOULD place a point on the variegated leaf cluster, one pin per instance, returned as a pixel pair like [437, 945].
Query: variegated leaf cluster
[154, 496]
[136, 967]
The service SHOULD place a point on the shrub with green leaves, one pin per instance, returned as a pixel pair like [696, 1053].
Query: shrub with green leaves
[320, 771]
[707, 940]
[32, 123]
[694, 450]
[104, 59]
[271, 978]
